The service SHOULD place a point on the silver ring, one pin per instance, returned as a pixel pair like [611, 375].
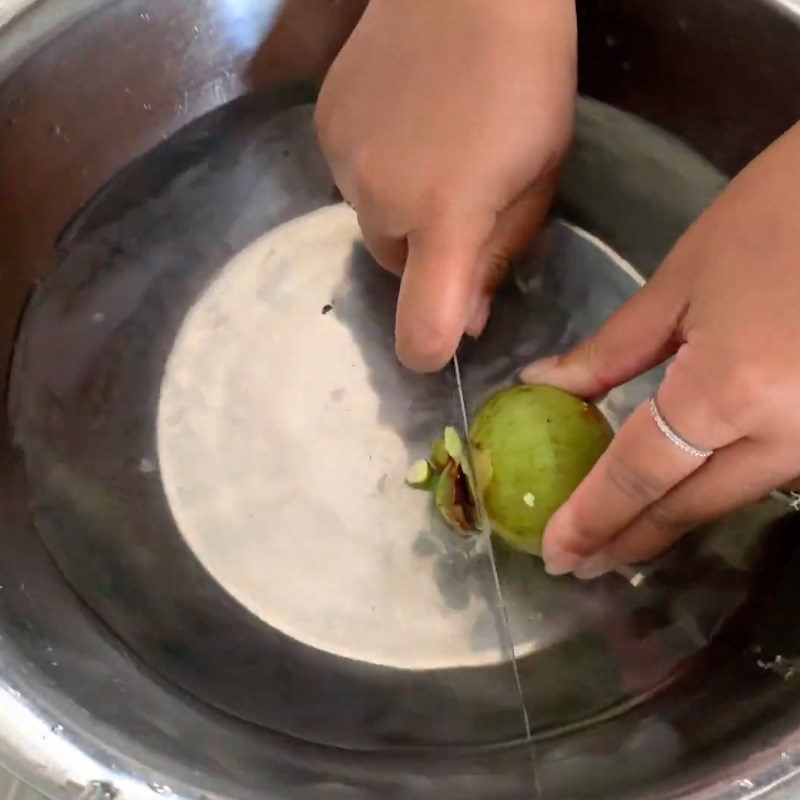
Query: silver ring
[673, 436]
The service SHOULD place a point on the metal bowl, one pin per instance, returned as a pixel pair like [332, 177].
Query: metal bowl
[213, 581]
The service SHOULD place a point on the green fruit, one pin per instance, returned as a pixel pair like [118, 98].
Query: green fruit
[457, 488]
[532, 446]
[453, 500]
[439, 456]
[420, 475]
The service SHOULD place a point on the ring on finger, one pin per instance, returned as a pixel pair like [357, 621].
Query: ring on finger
[673, 436]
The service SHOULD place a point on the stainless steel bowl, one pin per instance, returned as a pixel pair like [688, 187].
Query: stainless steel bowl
[128, 147]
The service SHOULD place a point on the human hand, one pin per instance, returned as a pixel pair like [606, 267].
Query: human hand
[444, 124]
[726, 302]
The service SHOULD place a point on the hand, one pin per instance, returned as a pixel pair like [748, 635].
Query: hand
[726, 302]
[444, 124]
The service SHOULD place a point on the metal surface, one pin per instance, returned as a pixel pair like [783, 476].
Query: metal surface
[13, 789]
[791, 499]
[86, 93]
[484, 542]
[168, 392]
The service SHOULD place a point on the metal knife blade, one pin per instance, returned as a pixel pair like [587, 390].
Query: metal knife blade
[485, 543]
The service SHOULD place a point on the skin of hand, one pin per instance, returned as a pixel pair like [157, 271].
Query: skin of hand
[726, 303]
[444, 123]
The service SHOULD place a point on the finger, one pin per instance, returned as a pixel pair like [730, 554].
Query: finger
[734, 477]
[438, 290]
[389, 251]
[482, 310]
[514, 229]
[638, 336]
[523, 218]
[640, 466]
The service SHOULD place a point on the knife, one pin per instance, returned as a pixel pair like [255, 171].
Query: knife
[635, 577]
[484, 533]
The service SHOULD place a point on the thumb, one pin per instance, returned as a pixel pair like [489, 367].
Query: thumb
[642, 333]
[438, 291]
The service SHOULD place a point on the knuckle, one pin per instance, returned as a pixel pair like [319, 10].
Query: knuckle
[593, 359]
[632, 483]
[662, 518]
[741, 396]
[441, 200]
[745, 385]
[368, 177]
[575, 529]
[582, 541]
[725, 400]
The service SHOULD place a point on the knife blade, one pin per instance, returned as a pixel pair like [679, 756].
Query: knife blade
[485, 545]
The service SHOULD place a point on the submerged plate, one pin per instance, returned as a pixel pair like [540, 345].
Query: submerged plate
[216, 430]
[284, 431]
[285, 426]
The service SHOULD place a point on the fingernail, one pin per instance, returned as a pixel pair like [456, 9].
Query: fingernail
[560, 562]
[537, 370]
[479, 317]
[593, 567]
